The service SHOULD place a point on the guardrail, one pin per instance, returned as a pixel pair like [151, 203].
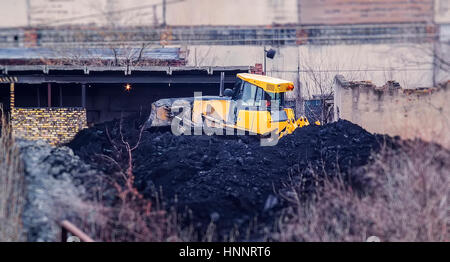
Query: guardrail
[67, 227]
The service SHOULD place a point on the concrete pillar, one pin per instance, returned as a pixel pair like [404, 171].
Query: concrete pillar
[222, 81]
[38, 95]
[60, 97]
[11, 96]
[49, 95]
[164, 6]
[83, 95]
[298, 96]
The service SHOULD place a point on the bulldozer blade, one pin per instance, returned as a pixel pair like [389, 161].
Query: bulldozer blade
[160, 114]
[161, 111]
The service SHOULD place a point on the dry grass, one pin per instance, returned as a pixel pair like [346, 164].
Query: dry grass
[132, 219]
[408, 201]
[128, 222]
[11, 185]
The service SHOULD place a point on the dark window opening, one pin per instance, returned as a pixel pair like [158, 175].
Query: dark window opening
[275, 98]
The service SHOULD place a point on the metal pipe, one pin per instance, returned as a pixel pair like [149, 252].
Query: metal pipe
[66, 227]
[164, 7]
[49, 95]
[265, 51]
[83, 95]
[222, 83]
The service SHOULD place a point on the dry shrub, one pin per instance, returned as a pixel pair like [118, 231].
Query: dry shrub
[12, 196]
[407, 201]
[127, 217]
[134, 219]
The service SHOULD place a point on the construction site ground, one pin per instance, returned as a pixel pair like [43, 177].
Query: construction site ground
[229, 180]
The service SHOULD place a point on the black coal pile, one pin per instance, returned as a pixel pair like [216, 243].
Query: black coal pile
[228, 180]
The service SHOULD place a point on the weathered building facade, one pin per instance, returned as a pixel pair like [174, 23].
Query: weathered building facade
[379, 40]
[390, 109]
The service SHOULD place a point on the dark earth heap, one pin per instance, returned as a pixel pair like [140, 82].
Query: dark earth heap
[228, 180]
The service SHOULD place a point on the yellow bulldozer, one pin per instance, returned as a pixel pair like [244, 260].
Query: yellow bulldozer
[256, 105]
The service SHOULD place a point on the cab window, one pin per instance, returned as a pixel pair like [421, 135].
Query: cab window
[275, 97]
[249, 94]
[259, 97]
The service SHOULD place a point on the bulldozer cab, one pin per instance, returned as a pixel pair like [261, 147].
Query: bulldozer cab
[257, 102]
[248, 97]
[255, 96]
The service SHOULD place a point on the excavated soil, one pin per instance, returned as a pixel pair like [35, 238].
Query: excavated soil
[229, 180]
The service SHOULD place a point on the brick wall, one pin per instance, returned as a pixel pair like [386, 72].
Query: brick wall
[408, 113]
[54, 125]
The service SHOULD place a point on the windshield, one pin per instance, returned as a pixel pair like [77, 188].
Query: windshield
[249, 94]
[252, 95]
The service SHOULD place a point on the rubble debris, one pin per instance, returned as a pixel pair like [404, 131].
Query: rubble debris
[57, 182]
[419, 91]
[388, 86]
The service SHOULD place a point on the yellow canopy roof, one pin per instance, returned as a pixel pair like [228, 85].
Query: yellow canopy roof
[269, 84]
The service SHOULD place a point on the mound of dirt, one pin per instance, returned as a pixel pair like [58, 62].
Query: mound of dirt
[228, 180]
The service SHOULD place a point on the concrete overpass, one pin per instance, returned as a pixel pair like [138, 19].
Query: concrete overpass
[102, 91]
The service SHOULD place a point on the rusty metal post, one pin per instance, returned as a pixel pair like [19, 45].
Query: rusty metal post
[49, 95]
[11, 96]
[67, 227]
